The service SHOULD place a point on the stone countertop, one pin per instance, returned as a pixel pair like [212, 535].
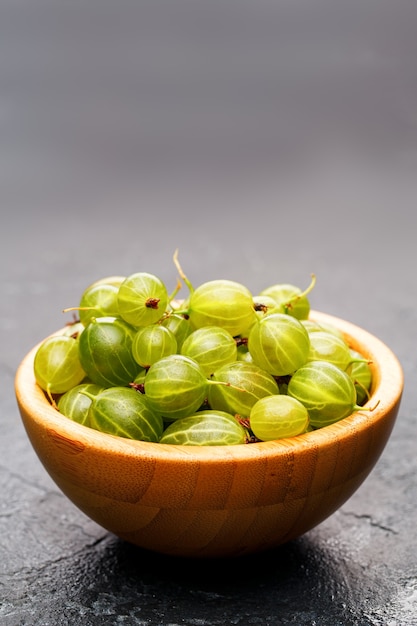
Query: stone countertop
[266, 141]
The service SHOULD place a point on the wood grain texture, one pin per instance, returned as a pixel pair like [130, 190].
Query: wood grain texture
[215, 501]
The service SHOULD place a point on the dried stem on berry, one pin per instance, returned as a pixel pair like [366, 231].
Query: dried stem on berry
[152, 303]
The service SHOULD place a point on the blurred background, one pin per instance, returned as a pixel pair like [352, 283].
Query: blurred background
[266, 140]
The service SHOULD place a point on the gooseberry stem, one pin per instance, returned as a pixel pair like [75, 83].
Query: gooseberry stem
[152, 303]
[181, 272]
[258, 306]
[358, 407]
[139, 387]
[364, 389]
[86, 393]
[289, 304]
[243, 421]
[51, 398]
[176, 290]
[80, 308]
[225, 384]
[358, 360]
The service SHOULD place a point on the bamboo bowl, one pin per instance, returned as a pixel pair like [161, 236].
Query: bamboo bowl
[215, 501]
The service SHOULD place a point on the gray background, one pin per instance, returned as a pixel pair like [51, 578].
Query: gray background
[266, 141]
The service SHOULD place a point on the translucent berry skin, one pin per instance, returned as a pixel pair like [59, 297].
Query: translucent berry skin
[75, 404]
[126, 413]
[57, 365]
[179, 326]
[211, 347]
[205, 428]
[175, 386]
[279, 344]
[223, 303]
[73, 330]
[265, 305]
[98, 300]
[276, 417]
[311, 326]
[105, 348]
[151, 343]
[247, 384]
[243, 354]
[325, 346]
[142, 299]
[290, 299]
[327, 392]
[140, 377]
[115, 280]
[323, 327]
[361, 374]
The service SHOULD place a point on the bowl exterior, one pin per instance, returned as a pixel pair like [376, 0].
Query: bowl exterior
[214, 501]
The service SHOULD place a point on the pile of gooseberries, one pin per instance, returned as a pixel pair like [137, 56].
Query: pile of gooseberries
[222, 366]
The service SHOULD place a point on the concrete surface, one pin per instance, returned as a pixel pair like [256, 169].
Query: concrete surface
[265, 140]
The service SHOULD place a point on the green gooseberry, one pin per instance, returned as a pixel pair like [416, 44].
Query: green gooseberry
[278, 416]
[279, 344]
[115, 280]
[124, 412]
[290, 298]
[327, 392]
[57, 366]
[265, 305]
[243, 353]
[314, 326]
[330, 328]
[244, 383]
[311, 326]
[361, 374]
[73, 329]
[179, 325]
[75, 404]
[205, 428]
[105, 349]
[211, 347]
[152, 343]
[142, 299]
[98, 300]
[223, 303]
[325, 346]
[175, 386]
[140, 376]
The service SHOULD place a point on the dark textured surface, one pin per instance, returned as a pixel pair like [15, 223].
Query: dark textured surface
[266, 140]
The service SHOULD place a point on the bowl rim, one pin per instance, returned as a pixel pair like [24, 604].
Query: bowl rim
[386, 392]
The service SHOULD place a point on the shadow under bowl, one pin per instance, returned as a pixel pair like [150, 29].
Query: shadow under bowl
[215, 501]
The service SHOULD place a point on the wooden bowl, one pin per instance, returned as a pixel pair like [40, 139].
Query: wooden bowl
[215, 501]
